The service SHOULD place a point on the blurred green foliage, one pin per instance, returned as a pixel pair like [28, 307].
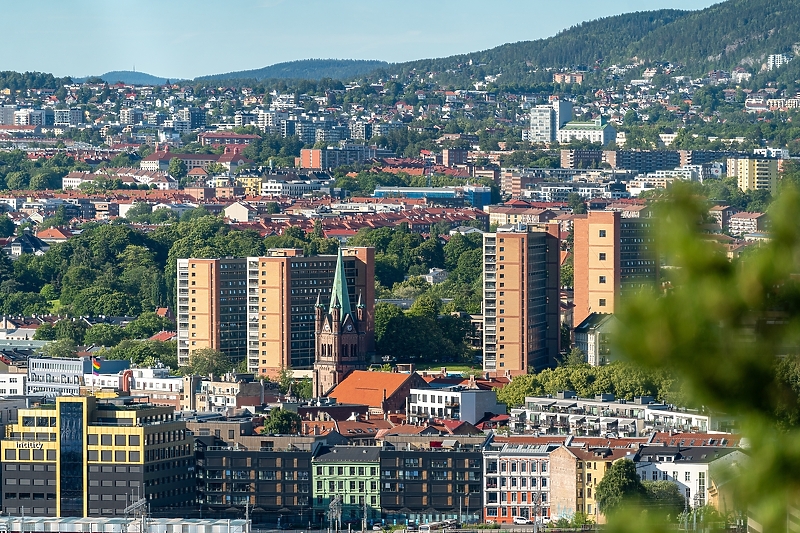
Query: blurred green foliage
[729, 331]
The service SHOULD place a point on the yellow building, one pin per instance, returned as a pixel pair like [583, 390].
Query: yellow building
[574, 476]
[251, 184]
[755, 174]
[86, 456]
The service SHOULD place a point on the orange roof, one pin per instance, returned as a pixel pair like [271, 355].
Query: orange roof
[54, 233]
[164, 336]
[368, 388]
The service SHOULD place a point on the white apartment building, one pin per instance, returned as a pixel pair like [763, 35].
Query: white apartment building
[67, 117]
[453, 403]
[566, 414]
[777, 60]
[12, 384]
[516, 481]
[692, 469]
[596, 131]
[289, 188]
[547, 119]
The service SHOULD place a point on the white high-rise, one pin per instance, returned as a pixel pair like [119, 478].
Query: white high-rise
[547, 119]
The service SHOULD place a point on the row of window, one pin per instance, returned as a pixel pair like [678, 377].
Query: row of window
[516, 482]
[524, 497]
[352, 470]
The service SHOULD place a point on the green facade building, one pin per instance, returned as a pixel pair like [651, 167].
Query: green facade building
[353, 474]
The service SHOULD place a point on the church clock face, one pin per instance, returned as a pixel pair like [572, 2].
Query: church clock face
[326, 327]
[349, 327]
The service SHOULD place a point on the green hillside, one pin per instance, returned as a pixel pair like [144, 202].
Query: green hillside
[605, 40]
[736, 32]
[133, 78]
[731, 33]
[307, 69]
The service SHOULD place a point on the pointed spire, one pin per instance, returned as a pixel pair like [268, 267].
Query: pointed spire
[318, 304]
[335, 302]
[339, 293]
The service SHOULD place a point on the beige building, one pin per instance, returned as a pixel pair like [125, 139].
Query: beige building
[521, 298]
[503, 215]
[574, 475]
[613, 256]
[755, 174]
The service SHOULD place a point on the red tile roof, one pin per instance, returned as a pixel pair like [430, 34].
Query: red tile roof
[368, 388]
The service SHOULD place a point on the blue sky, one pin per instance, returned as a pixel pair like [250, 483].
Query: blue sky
[176, 38]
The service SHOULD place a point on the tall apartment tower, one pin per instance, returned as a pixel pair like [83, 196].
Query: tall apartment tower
[547, 119]
[262, 308]
[340, 335]
[521, 298]
[755, 173]
[613, 257]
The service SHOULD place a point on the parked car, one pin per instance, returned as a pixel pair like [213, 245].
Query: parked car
[521, 521]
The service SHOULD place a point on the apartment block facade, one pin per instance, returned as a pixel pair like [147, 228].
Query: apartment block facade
[262, 308]
[613, 257]
[427, 479]
[517, 481]
[755, 174]
[520, 298]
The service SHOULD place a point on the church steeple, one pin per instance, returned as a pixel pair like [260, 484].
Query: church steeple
[340, 297]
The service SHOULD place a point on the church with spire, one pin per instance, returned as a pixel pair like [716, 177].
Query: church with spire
[340, 335]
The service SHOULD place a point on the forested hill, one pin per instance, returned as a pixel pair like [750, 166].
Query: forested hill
[583, 45]
[134, 78]
[307, 69]
[731, 33]
[736, 32]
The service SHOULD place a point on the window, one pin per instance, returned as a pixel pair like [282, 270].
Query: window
[602, 302]
[602, 256]
[602, 279]
[602, 233]
[119, 440]
[687, 476]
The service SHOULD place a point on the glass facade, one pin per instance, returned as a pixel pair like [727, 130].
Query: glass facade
[71, 459]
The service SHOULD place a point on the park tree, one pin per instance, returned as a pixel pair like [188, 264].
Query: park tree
[45, 332]
[72, 329]
[148, 324]
[145, 353]
[426, 305]
[59, 348]
[177, 168]
[619, 487]
[6, 226]
[385, 315]
[281, 422]
[207, 361]
[665, 496]
[104, 335]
